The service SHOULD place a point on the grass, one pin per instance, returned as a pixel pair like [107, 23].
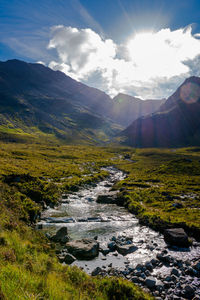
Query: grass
[35, 174]
[162, 188]
[31, 175]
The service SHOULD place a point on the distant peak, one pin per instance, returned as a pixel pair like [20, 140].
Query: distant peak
[193, 79]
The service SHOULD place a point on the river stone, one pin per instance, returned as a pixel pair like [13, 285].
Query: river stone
[109, 198]
[149, 266]
[69, 258]
[197, 266]
[125, 249]
[176, 237]
[150, 282]
[159, 285]
[188, 292]
[61, 236]
[96, 271]
[175, 272]
[112, 246]
[104, 250]
[83, 249]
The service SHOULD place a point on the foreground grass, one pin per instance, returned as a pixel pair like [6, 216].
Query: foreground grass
[32, 176]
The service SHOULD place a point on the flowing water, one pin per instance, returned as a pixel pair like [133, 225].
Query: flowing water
[85, 218]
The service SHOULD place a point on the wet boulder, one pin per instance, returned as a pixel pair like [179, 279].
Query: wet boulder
[196, 266]
[188, 292]
[83, 249]
[104, 250]
[150, 282]
[126, 249]
[61, 236]
[109, 198]
[176, 237]
[112, 246]
[66, 258]
[96, 271]
[69, 258]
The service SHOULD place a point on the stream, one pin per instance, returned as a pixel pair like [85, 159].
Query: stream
[170, 271]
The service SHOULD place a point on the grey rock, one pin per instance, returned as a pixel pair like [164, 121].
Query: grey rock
[109, 198]
[61, 236]
[135, 279]
[139, 266]
[154, 262]
[175, 272]
[69, 258]
[125, 249]
[176, 237]
[147, 273]
[168, 278]
[112, 246]
[104, 251]
[159, 285]
[150, 282]
[174, 278]
[188, 292]
[96, 271]
[83, 249]
[143, 276]
[164, 258]
[196, 266]
[61, 258]
[149, 266]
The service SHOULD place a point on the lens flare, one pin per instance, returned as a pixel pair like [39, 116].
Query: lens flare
[190, 92]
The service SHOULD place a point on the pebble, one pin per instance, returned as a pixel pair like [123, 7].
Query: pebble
[150, 282]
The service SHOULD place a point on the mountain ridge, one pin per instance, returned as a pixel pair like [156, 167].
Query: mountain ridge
[35, 98]
[175, 124]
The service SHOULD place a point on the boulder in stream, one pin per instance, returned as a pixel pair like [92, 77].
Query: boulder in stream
[66, 258]
[61, 236]
[126, 249]
[150, 282]
[109, 198]
[176, 237]
[83, 249]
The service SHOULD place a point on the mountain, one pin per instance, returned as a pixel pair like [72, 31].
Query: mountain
[175, 124]
[35, 100]
[126, 108]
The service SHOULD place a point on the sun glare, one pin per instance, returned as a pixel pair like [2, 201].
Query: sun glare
[155, 53]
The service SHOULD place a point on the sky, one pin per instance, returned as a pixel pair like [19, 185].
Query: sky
[144, 48]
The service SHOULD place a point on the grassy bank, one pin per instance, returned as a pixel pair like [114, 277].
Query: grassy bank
[32, 176]
[162, 187]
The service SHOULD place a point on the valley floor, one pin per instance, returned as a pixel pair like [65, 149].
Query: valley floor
[161, 188]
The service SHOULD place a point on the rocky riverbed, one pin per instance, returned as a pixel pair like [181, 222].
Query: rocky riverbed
[102, 238]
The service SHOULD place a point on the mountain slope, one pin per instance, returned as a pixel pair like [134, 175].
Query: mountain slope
[176, 124]
[37, 100]
[126, 108]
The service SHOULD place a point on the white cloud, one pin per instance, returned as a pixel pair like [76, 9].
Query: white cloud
[149, 64]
